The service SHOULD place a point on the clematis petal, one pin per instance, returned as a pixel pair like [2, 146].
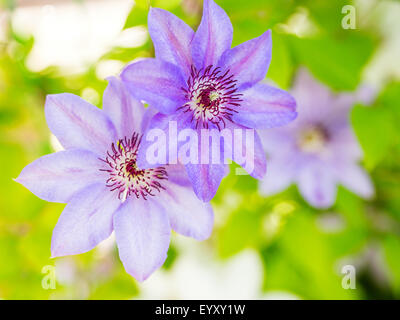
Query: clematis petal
[57, 177]
[213, 37]
[187, 214]
[171, 38]
[311, 95]
[85, 221]
[78, 124]
[345, 145]
[279, 176]
[177, 175]
[147, 118]
[124, 111]
[206, 179]
[278, 142]
[265, 107]
[343, 102]
[159, 145]
[317, 185]
[249, 61]
[356, 180]
[246, 150]
[157, 82]
[142, 232]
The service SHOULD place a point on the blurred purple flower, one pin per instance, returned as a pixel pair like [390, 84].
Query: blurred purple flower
[319, 149]
[198, 81]
[104, 190]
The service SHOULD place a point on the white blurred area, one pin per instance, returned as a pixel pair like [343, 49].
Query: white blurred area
[198, 274]
[73, 34]
[384, 17]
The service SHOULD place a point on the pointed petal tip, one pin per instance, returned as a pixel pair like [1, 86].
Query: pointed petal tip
[56, 249]
[259, 175]
[138, 277]
[370, 195]
[320, 203]
[144, 274]
[213, 36]
[202, 237]
[49, 98]
[19, 180]
[154, 10]
[321, 206]
[267, 36]
[205, 196]
[54, 254]
[111, 78]
[54, 96]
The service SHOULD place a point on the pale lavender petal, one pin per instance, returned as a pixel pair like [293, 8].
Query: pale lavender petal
[343, 102]
[366, 94]
[187, 214]
[57, 177]
[177, 175]
[85, 221]
[213, 37]
[171, 38]
[147, 117]
[344, 144]
[157, 82]
[279, 176]
[249, 61]
[352, 177]
[278, 141]
[78, 124]
[206, 179]
[142, 232]
[265, 107]
[159, 145]
[157, 135]
[337, 114]
[246, 150]
[124, 111]
[317, 185]
[314, 100]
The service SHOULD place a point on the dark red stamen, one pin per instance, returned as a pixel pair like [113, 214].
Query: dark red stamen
[212, 97]
[125, 177]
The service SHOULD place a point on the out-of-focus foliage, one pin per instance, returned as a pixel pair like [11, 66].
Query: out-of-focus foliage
[302, 249]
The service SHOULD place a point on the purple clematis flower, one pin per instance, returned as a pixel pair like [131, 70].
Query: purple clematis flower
[319, 149]
[96, 175]
[200, 83]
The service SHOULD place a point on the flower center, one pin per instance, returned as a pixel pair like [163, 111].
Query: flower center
[212, 97]
[313, 139]
[125, 177]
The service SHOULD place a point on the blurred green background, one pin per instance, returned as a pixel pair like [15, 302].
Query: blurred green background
[276, 247]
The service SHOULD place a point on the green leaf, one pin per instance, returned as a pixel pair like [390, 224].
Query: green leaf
[241, 231]
[338, 62]
[391, 247]
[281, 68]
[376, 132]
[302, 255]
[138, 14]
